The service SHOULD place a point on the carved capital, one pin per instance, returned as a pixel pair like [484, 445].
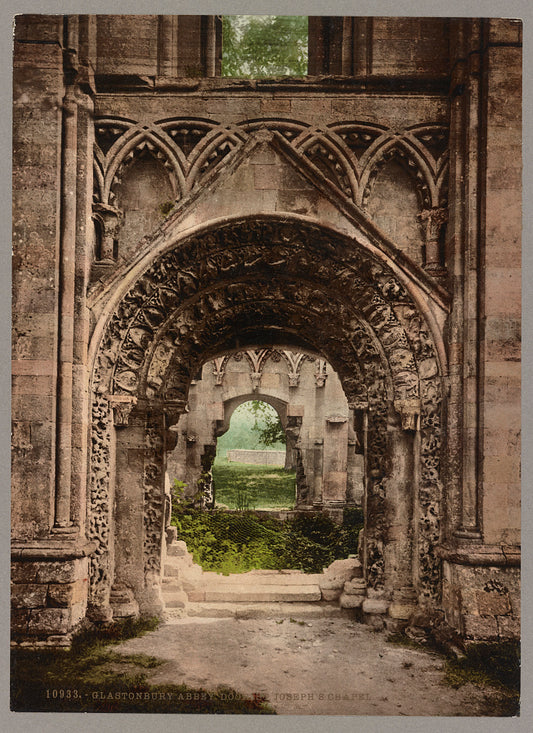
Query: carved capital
[122, 406]
[173, 410]
[409, 412]
[434, 220]
[320, 374]
[294, 379]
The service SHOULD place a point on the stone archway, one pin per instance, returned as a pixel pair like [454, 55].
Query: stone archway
[264, 281]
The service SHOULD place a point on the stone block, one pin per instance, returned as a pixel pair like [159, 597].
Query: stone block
[178, 599]
[49, 621]
[375, 605]
[177, 549]
[351, 601]
[508, 627]
[376, 621]
[19, 620]
[63, 595]
[67, 571]
[480, 627]
[331, 583]
[28, 595]
[492, 603]
[331, 594]
[23, 572]
[400, 610]
[196, 596]
[355, 586]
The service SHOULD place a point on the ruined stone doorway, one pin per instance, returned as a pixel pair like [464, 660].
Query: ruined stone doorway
[257, 283]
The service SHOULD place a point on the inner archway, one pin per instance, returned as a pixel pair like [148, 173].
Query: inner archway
[250, 470]
[268, 282]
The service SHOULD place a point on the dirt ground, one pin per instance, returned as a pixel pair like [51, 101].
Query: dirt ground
[311, 667]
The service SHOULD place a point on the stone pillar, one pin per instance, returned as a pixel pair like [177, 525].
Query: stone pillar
[335, 460]
[66, 287]
[140, 500]
[403, 424]
[462, 255]
[109, 219]
[434, 220]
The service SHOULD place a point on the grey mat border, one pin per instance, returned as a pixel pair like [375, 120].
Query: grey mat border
[104, 723]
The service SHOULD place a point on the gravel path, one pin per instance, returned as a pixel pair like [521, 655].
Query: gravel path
[314, 667]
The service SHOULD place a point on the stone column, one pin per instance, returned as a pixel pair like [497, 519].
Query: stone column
[109, 218]
[434, 220]
[403, 424]
[66, 288]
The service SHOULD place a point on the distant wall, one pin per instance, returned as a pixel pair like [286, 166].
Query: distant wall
[257, 457]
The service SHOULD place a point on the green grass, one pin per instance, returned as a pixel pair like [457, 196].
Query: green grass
[243, 486]
[90, 677]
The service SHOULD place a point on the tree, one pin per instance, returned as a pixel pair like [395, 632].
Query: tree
[256, 46]
[267, 424]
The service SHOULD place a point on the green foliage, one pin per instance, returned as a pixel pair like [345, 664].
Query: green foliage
[267, 424]
[264, 45]
[243, 486]
[243, 434]
[92, 678]
[236, 543]
[166, 207]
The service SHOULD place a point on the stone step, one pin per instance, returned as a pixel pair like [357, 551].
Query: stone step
[254, 594]
[177, 599]
[216, 580]
[296, 611]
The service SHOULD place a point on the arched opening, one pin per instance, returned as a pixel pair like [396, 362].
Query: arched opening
[255, 284]
[250, 469]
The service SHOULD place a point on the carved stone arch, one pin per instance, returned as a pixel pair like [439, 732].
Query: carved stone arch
[109, 132]
[211, 151]
[214, 278]
[187, 133]
[359, 138]
[333, 159]
[442, 181]
[98, 176]
[433, 142]
[145, 139]
[401, 149]
[231, 404]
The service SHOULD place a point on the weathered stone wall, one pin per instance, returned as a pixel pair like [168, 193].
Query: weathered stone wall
[257, 457]
[37, 97]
